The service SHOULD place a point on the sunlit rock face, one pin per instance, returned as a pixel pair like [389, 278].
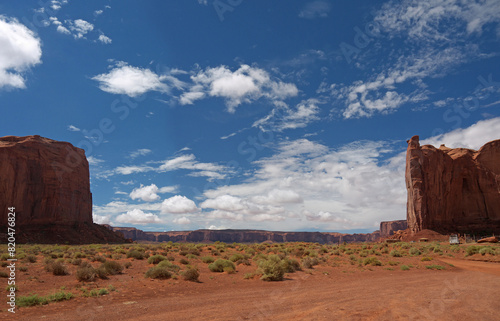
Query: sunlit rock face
[453, 190]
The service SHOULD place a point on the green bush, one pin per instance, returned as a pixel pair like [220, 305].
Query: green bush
[414, 251]
[220, 264]
[112, 267]
[426, 258]
[309, 262]
[184, 261]
[207, 259]
[405, 267]
[372, 261]
[31, 300]
[169, 266]
[273, 268]
[158, 272]
[395, 253]
[31, 258]
[487, 250]
[155, 259]
[435, 267]
[138, 255]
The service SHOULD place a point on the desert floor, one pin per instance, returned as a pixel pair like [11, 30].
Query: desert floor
[335, 289]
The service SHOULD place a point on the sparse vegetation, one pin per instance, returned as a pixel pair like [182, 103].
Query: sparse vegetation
[221, 265]
[158, 272]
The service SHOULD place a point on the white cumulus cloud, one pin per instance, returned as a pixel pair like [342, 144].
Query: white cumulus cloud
[178, 205]
[137, 216]
[131, 81]
[20, 49]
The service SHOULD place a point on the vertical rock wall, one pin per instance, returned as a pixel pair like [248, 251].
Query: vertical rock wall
[453, 189]
[45, 180]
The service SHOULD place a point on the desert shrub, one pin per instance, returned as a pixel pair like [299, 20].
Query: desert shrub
[414, 251]
[184, 261]
[336, 252]
[291, 265]
[426, 258]
[85, 274]
[487, 250]
[372, 261]
[363, 253]
[155, 259]
[31, 300]
[99, 258]
[191, 274]
[79, 255]
[273, 268]
[112, 267]
[435, 267]
[57, 268]
[471, 250]
[10, 288]
[76, 261]
[220, 264]
[4, 274]
[101, 272]
[391, 263]
[207, 259]
[183, 253]
[236, 257]
[169, 266]
[31, 258]
[309, 262]
[138, 255]
[248, 276]
[60, 296]
[405, 267]
[23, 268]
[395, 253]
[158, 272]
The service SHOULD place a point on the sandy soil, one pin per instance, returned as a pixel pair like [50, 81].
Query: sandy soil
[466, 291]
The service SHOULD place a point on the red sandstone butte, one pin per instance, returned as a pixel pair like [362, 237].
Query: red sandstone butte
[390, 227]
[48, 184]
[244, 236]
[453, 190]
[45, 180]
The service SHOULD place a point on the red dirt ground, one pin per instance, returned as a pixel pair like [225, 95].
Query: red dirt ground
[467, 291]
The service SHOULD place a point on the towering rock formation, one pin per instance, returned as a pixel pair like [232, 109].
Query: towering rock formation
[48, 184]
[388, 228]
[453, 190]
[45, 180]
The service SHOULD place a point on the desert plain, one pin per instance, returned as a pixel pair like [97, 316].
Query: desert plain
[262, 281]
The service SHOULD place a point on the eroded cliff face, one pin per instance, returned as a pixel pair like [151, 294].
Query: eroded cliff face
[388, 228]
[453, 190]
[45, 180]
[244, 236]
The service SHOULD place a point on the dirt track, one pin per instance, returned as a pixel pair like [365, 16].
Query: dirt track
[468, 291]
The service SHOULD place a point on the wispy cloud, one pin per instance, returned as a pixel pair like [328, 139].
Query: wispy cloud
[315, 9]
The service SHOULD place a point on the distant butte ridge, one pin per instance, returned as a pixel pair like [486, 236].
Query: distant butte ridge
[47, 182]
[244, 236]
[453, 190]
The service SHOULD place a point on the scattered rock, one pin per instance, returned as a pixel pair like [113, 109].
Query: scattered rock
[492, 239]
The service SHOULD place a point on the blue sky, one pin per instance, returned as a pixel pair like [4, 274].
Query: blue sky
[277, 115]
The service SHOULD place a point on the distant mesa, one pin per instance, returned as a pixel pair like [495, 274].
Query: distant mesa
[47, 182]
[453, 189]
[244, 236]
